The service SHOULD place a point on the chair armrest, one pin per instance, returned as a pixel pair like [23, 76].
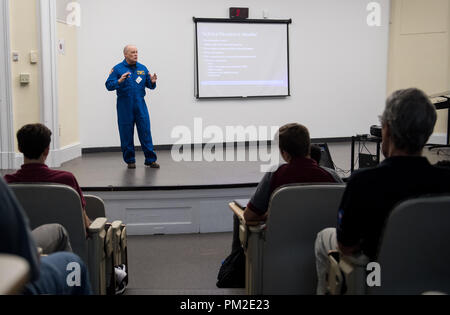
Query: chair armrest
[245, 226]
[347, 273]
[239, 212]
[116, 225]
[96, 255]
[251, 234]
[335, 276]
[116, 236]
[97, 226]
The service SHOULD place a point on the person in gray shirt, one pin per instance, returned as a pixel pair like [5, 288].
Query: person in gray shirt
[316, 155]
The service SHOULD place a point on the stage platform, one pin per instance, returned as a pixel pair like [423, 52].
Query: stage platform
[180, 197]
[108, 172]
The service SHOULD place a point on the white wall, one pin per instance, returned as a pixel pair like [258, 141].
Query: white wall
[69, 126]
[338, 66]
[420, 50]
[24, 39]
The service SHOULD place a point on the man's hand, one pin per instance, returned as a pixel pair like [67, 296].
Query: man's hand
[250, 216]
[153, 78]
[348, 250]
[124, 77]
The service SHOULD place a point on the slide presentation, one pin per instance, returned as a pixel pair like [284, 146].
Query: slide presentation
[242, 59]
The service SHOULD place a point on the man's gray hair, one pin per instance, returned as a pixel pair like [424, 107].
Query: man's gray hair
[411, 118]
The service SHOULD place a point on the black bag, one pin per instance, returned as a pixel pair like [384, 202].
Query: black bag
[232, 271]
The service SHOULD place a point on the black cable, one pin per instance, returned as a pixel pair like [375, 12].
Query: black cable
[368, 151]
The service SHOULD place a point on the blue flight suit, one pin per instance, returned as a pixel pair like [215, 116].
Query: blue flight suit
[132, 109]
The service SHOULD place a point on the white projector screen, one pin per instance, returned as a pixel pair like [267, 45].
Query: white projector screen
[248, 58]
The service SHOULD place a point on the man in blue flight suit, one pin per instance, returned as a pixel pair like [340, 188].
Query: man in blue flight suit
[130, 78]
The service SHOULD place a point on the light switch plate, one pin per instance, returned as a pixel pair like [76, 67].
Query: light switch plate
[33, 57]
[15, 56]
[25, 78]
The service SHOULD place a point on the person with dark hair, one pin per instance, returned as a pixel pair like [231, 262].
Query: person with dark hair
[316, 155]
[34, 143]
[407, 123]
[48, 274]
[294, 144]
[33, 140]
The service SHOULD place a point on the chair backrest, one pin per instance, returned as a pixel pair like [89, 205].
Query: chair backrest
[414, 254]
[95, 207]
[296, 214]
[54, 203]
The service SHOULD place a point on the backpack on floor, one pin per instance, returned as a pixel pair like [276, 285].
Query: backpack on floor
[232, 271]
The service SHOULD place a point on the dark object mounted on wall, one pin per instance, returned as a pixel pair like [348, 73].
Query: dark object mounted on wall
[238, 13]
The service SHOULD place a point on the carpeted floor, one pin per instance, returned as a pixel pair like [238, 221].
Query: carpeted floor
[177, 264]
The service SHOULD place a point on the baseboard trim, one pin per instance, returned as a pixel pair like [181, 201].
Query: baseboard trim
[56, 157]
[70, 152]
[165, 147]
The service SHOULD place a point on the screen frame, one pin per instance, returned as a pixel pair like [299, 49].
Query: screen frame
[248, 21]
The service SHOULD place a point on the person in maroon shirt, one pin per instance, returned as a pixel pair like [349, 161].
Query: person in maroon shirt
[295, 145]
[34, 143]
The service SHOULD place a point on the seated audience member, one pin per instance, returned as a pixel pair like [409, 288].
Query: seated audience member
[316, 155]
[34, 143]
[294, 144]
[49, 274]
[407, 123]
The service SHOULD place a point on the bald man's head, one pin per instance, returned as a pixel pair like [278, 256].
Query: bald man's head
[127, 47]
[131, 54]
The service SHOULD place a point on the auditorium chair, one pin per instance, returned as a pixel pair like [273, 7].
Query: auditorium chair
[14, 274]
[413, 255]
[116, 249]
[280, 253]
[52, 203]
[95, 207]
